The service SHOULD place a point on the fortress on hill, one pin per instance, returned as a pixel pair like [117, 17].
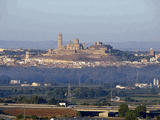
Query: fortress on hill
[76, 51]
[76, 47]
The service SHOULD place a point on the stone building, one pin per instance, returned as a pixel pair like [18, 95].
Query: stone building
[60, 38]
[152, 52]
[75, 45]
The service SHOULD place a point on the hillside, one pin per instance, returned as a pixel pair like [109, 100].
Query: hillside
[124, 75]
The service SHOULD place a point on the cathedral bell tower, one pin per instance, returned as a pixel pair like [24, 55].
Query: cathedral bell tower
[59, 41]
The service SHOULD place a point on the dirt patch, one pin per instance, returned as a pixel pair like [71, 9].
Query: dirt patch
[59, 112]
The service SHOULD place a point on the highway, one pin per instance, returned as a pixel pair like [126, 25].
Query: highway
[75, 107]
[3, 105]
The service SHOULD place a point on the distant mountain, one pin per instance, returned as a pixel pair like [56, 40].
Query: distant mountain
[28, 44]
[135, 46]
[130, 46]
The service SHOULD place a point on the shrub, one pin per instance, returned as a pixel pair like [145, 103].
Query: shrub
[20, 116]
[130, 115]
[123, 109]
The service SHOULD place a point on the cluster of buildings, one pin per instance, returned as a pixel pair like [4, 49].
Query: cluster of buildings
[124, 87]
[34, 84]
[11, 57]
[155, 84]
[5, 60]
[74, 55]
[153, 57]
[146, 59]
[143, 85]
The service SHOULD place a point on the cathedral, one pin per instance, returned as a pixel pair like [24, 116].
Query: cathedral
[74, 47]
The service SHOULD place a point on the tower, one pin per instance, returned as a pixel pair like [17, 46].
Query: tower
[27, 57]
[59, 41]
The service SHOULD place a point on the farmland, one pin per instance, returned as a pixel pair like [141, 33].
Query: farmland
[42, 113]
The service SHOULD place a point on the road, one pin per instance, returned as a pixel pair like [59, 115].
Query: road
[76, 107]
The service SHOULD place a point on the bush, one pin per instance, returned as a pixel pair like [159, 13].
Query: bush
[79, 114]
[123, 110]
[1, 111]
[158, 117]
[20, 116]
[140, 111]
[54, 116]
[130, 115]
[34, 117]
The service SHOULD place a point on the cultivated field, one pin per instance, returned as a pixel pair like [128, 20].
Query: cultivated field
[60, 112]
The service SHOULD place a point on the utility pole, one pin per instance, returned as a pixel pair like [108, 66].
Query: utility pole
[79, 82]
[69, 93]
[137, 76]
[111, 94]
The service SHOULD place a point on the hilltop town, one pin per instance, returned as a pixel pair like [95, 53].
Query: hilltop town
[32, 72]
[77, 55]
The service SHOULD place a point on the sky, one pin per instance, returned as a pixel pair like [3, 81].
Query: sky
[88, 20]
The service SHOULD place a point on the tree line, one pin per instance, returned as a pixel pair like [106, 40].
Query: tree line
[123, 75]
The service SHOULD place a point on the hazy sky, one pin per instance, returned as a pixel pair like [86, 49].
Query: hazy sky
[89, 20]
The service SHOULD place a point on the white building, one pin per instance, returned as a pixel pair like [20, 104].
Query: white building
[25, 85]
[47, 84]
[157, 56]
[115, 99]
[14, 82]
[63, 104]
[142, 85]
[155, 83]
[144, 61]
[153, 59]
[1, 50]
[34, 84]
[120, 87]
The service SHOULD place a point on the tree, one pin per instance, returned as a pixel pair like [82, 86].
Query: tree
[130, 115]
[34, 117]
[140, 111]
[158, 117]
[79, 114]
[20, 116]
[38, 100]
[1, 111]
[123, 109]
[4, 79]
[52, 101]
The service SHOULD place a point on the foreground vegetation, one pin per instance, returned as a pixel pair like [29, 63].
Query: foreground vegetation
[140, 112]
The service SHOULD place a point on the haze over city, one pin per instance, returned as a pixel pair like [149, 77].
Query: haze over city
[89, 20]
